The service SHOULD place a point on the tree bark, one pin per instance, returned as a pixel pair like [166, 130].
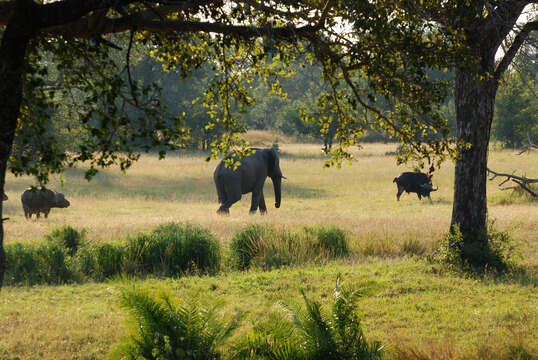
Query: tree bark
[474, 99]
[12, 61]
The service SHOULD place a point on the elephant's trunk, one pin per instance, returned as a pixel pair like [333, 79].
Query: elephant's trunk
[277, 183]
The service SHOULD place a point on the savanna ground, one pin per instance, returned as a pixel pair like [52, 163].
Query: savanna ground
[414, 309]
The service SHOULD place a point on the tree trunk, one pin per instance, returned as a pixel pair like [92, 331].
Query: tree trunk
[474, 100]
[12, 60]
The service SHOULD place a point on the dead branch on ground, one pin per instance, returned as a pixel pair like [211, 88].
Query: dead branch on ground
[523, 182]
[529, 146]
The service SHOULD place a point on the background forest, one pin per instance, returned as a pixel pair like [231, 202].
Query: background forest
[288, 112]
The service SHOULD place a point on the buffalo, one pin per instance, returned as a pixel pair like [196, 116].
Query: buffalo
[36, 201]
[416, 182]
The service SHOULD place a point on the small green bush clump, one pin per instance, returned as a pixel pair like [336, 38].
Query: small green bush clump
[331, 239]
[31, 264]
[172, 249]
[265, 247]
[494, 252]
[162, 328]
[68, 237]
[100, 261]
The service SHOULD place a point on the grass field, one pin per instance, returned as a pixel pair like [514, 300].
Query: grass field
[408, 304]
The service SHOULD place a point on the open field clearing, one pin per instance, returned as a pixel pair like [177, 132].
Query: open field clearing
[360, 198]
[408, 304]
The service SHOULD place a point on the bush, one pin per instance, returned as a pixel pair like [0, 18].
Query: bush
[331, 239]
[162, 328]
[246, 244]
[494, 251]
[265, 247]
[172, 249]
[68, 237]
[311, 333]
[100, 261]
[30, 264]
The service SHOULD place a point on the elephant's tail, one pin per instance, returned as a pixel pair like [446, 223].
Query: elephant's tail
[221, 192]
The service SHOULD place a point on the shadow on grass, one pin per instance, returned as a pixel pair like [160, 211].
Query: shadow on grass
[116, 185]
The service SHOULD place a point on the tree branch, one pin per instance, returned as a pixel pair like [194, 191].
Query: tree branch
[529, 146]
[512, 51]
[82, 30]
[522, 181]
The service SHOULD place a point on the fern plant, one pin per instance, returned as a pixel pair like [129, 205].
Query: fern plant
[163, 329]
[312, 334]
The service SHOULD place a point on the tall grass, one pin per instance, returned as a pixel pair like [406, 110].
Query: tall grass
[266, 247]
[172, 249]
[169, 250]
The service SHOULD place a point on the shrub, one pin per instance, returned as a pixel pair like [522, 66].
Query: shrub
[172, 249]
[68, 237]
[246, 244]
[45, 263]
[162, 328]
[311, 333]
[494, 252]
[331, 239]
[100, 261]
[267, 248]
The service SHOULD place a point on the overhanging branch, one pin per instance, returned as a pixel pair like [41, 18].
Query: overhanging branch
[516, 45]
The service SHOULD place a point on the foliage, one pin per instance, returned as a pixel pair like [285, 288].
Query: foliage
[172, 249]
[311, 334]
[44, 263]
[516, 109]
[493, 252]
[68, 237]
[100, 261]
[261, 246]
[169, 250]
[163, 328]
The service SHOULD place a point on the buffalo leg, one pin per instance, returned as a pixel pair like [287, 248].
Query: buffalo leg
[419, 197]
[400, 191]
[46, 213]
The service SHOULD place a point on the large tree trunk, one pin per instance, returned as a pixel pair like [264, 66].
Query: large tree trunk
[12, 59]
[474, 100]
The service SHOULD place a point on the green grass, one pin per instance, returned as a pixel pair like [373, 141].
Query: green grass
[413, 308]
[405, 304]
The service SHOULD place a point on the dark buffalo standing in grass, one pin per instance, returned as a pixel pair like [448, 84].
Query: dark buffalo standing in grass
[36, 201]
[416, 182]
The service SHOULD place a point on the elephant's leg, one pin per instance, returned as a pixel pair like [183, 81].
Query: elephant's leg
[255, 201]
[233, 195]
[263, 208]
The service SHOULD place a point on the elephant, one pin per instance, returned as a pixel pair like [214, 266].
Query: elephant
[248, 177]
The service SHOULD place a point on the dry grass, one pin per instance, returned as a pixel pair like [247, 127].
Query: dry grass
[359, 198]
